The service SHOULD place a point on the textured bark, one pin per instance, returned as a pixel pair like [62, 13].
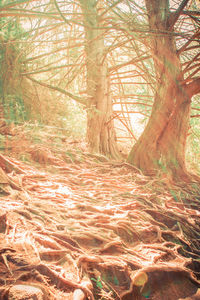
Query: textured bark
[163, 142]
[100, 129]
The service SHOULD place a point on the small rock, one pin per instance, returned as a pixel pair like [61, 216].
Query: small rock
[25, 292]
[61, 227]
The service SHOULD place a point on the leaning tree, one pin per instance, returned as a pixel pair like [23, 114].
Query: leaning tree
[162, 145]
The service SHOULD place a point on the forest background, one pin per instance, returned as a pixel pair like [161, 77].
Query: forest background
[105, 71]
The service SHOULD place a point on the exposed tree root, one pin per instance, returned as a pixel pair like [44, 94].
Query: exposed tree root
[99, 231]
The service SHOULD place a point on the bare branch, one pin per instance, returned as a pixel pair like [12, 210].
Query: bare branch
[195, 116]
[191, 12]
[47, 70]
[61, 14]
[15, 13]
[183, 48]
[191, 76]
[62, 91]
[110, 8]
[188, 69]
[193, 88]
[15, 3]
[174, 16]
[52, 52]
[130, 62]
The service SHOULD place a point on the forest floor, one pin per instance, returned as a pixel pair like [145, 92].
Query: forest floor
[78, 226]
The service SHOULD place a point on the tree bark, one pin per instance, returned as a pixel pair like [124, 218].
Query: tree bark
[163, 142]
[100, 126]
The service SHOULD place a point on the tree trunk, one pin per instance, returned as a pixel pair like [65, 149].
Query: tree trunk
[163, 142]
[100, 126]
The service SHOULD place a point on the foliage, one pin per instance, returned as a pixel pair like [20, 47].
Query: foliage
[14, 110]
[11, 66]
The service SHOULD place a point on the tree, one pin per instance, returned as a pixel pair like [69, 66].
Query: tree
[101, 45]
[100, 128]
[163, 142]
[98, 103]
[162, 145]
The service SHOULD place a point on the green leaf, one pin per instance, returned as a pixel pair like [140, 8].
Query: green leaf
[98, 282]
[116, 281]
[174, 195]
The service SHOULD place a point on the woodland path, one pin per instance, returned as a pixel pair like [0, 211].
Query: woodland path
[89, 228]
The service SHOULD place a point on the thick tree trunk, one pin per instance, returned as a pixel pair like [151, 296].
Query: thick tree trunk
[163, 142]
[100, 128]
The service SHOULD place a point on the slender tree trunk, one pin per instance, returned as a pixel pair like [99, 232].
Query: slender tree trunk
[163, 142]
[100, 128]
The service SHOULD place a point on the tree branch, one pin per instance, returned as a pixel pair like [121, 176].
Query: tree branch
[49, 69]
[191, 76]
[132, 61]
[195, 116]
[16, 13]
[188, 66]
[183, 48]
[191, 12]
[110, 8]
[15, 3]
[61, 14]
[62, 91]
[193, 88]
[174, 16]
